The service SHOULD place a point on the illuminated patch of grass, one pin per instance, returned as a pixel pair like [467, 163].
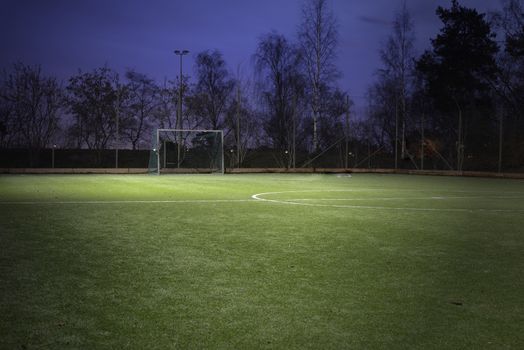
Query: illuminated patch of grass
[260, 274]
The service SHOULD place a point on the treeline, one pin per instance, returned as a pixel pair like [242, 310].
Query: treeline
[458, 105]
[462, 100]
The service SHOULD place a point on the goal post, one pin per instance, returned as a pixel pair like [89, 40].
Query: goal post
[186, 151]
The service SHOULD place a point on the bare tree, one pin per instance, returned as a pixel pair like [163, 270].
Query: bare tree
[165, 111]
[240, 121]
[192, 117]
[8, 121]
[213, 88]
[30, 108]
[278, 65]
[142, 101]
[398, 56]
[92, 101]
[511, 60]
[389, 96]
[511, 19]
[510, 82]
[381, 111]
[318, 37]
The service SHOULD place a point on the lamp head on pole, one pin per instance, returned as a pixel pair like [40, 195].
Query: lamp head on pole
[181, 52]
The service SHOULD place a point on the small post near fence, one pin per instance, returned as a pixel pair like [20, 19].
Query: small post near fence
[53, 156]
[346, 134]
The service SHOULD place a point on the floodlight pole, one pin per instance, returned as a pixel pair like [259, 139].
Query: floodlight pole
[179, 119]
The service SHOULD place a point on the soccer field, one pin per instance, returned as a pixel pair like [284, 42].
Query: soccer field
[261, 261]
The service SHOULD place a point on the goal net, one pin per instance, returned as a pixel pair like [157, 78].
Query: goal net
[186, 151]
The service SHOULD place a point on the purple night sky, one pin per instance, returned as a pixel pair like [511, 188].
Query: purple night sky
[65, 35]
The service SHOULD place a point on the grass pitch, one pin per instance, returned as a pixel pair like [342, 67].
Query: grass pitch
[261, 261]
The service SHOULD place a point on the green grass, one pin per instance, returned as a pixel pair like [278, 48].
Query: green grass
[367, 262]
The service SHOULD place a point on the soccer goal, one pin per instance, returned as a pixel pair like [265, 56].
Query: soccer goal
[187, 151]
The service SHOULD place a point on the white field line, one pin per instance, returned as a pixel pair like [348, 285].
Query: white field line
[133, 201]
[259, 196]
[400, 190]
[400, 198]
